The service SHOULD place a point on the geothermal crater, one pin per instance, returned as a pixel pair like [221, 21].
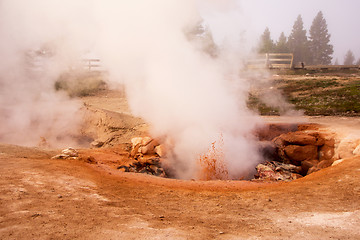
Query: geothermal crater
[290, 150]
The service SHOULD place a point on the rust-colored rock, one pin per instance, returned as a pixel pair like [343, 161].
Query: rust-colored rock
[299, 138]
[313, 169]
[320, 138]
[143, 146]
[280, 146]
[326, 152]
[270, 131]
[149, 148]
[325, 164]
[301, 153]
[307, 164]
[135, 150]
[308, 126]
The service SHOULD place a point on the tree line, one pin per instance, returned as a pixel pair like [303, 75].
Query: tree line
[313, 50]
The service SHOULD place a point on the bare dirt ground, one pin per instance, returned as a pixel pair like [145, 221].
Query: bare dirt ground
[43, 198]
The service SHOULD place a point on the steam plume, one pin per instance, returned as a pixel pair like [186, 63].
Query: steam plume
[185, 94]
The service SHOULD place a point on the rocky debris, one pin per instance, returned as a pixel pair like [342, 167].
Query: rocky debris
[295, 154]
[150, 166]
[143, 146]
[68, 153]
[276, 171]
[146, 156]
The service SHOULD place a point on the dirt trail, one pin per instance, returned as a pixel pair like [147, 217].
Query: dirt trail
[42, 198]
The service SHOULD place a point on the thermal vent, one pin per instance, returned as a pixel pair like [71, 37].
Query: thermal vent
[289, 152]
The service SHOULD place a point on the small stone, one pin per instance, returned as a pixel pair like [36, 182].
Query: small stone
[357, 150]
[337, 162]
[160, 150]
[136, 141]
[70, 152]
[146, 140]
[312, 170]
[123, 168]
[91, 160]
[325, 164]
[97, 144]
[307, 164]
[295, 176]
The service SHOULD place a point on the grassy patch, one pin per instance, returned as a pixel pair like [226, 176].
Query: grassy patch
[255, 104]
[329, 96]
[325, 97]
[80, 84]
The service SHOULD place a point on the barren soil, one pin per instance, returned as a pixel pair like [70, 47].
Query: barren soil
[43, 198]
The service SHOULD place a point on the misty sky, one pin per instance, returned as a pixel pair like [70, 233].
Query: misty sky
[342, 16]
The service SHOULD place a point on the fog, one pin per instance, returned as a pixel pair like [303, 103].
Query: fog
[279, 15]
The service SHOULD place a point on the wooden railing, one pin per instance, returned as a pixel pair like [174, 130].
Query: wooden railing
[92, 64]
[272, 61]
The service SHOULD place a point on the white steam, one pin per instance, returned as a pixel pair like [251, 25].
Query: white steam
[184, 93]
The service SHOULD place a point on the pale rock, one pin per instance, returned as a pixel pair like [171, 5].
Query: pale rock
[146, 140]
[357, 150]
[337, 162]
[160, 150]
[346, 148]
[149, 148]
[70, 152]
[135, 141]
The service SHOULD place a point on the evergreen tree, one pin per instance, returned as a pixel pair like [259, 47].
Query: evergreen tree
[266, 43]
[349, 58]
[358, 62]
[282, 44]
[201, 34]
[320, 48]
[298, 42]
[336, 62]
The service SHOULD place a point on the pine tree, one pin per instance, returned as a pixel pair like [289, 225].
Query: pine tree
[266, 43]
[201, 34]
[358, 62]
[320, 48]
[282, 44]
[349, 58]
[298, 42]
[336, 62]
